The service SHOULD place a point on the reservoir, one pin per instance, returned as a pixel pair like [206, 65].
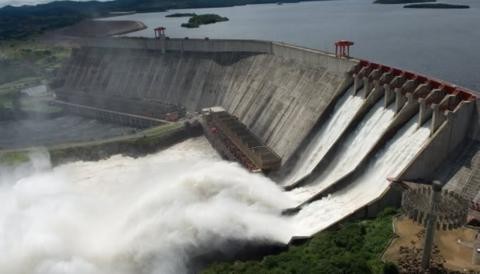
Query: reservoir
[443, 43]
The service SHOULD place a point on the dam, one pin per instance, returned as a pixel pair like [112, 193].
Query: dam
[343, 128]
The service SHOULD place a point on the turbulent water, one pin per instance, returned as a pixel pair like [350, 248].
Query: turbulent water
[369, 186]
[164, 212]
[125, 215]
[352, 152]
[344, 110]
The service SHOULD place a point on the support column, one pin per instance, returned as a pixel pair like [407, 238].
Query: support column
[389, 95]
[163, 42]
[437, 118]
[422, 91]
[400, 99]
[431, 223]
[377, 86]
[367, 87]
[425, 112]
[356, 83]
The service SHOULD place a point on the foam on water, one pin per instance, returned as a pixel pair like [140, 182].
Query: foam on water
[330, 131]
[366, 188]
[125, 215]
[353, 150]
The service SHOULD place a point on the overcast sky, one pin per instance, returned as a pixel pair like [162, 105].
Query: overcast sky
[25, 2]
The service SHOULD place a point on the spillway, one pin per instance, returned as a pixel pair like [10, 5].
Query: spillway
[353, 150]
[299, 102]
[345, 109]
[369, 186]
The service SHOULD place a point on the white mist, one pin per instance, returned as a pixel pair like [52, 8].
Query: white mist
[125, 215]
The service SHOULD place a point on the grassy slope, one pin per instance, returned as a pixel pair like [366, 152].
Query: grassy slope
[94, 150]
[13, 158]
[24, 64]
[140, 143]
[354, 248]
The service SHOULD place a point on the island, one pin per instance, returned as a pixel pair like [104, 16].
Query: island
[20, 22]
[181, 15]
[401, 1]
[203, 19]
[436, 6]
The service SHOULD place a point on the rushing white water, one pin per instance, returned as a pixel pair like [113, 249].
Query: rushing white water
[369, 186]
[344, 110]
[125, 215]
[353, 150]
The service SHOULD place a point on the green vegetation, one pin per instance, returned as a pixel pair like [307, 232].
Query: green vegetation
[203, 19]
[181, 15]
[136, 144]
[401, 1]
[24, 21]
[436, 6]
[354, 248]
[13, 158]
[25, 64]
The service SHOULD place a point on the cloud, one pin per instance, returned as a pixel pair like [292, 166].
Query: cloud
[17, 3]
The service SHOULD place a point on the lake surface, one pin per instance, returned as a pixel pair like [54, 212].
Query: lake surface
[444, 43]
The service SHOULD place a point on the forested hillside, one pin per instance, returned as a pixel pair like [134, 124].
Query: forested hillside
[19, 22]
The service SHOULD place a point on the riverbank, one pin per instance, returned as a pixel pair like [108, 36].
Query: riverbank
[24, 65]
[354, 247]
[99, 28]
[388, 2]
[24, 21]
[135, 145]
[436, 6]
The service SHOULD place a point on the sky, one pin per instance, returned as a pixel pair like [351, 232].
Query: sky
[25, 2]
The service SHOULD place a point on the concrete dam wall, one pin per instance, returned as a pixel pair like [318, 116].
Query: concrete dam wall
[278, 96]
[342, 126]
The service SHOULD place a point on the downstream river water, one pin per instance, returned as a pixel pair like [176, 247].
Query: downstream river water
[443, 43]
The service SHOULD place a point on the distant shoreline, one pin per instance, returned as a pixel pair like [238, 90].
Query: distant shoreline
[436, 6]
[390, 2]
[71, 35]
[17, 22]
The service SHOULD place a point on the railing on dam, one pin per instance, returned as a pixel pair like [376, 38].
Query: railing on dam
[461, 92]
[110, 116]
[142, 108]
